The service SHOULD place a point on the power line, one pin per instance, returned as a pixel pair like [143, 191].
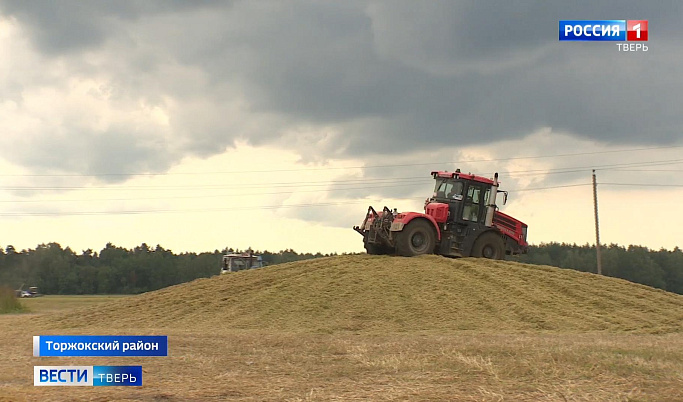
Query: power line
[151, 211]
[247, 194]
[341, 185]
[345, 167]
[217, 186]
[376, 183]
[270, 207]
[612, 166]
[648, 170]
[641, 184]
[547, 188]
[133, 212]
[205, 196]
[404, 180]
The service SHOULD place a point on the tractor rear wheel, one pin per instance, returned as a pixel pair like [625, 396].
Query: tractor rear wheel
[418, 237]
[489, 245]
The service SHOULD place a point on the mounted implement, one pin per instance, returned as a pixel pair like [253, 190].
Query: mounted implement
[461, 219]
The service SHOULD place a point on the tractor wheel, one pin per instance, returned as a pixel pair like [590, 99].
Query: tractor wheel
[489, 245]
[418, 237]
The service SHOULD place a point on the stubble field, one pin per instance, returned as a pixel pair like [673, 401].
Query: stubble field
[374, 328]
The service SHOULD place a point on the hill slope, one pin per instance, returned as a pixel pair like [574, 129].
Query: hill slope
[388, 294]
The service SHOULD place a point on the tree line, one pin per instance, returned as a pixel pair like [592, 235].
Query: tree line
[117, 270]
[661, 269]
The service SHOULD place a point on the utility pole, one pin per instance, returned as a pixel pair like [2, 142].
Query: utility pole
[597, 227]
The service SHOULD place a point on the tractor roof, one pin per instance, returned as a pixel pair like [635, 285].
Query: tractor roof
[465, 176]
[242, 255]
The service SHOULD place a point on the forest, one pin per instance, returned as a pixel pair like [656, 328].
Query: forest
[116, 270]
[661, 269]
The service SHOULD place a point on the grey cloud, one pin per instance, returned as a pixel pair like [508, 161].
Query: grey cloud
[121, 151]
[328, 68]
[111, 151]
[72, 25]
[394, 77]
[447, 31]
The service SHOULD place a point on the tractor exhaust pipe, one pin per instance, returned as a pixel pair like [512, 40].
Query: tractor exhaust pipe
[491, 208]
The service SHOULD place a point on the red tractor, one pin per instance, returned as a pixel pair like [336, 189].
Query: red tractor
[461, 219]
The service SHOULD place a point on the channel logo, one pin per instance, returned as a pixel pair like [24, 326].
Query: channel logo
[87, 376]
[636, 31]
[604, 30]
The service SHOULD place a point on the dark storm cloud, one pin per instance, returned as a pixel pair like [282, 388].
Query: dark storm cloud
[394, 77]
[424, 75]
[68, 25]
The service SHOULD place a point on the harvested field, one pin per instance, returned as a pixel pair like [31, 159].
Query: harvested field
[376, 328]
[395, 294]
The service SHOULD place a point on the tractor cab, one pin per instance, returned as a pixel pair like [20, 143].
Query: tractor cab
[468, 196]
[239, 262]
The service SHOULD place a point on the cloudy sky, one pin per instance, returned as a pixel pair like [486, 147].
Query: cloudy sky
[204, 124]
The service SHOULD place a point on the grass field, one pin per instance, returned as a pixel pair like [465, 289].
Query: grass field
[373, 328]
[53, 303]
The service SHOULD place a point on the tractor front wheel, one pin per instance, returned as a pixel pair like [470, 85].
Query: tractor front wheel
[489, 245]
[418, 237]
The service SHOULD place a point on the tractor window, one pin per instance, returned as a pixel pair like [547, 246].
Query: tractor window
[456, 191]
[486, 203]
[441, 188]
[448, 189]
[237, 264]
[470, 212]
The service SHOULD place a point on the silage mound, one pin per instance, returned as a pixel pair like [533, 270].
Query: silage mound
[389, 294]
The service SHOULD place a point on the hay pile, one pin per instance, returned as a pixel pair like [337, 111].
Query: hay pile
[365, 293]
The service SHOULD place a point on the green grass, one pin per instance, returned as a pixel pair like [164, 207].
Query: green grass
[55, 303]
[9, 302]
